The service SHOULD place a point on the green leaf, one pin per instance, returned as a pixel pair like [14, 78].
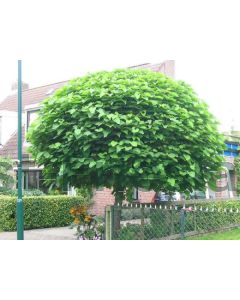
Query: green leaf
[105, 133]
[187, 157]
[77, 132]
[113, 143]
[92, 164]
[137, 164]
[134, 144]
[102, 93]
[171, 181]
[92, 110]
[191, 174]
[137, 95]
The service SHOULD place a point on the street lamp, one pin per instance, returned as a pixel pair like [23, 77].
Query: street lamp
[20, 220]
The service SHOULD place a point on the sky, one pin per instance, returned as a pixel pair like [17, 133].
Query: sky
[60, 40]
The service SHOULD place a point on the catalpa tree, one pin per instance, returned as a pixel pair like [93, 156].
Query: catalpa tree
[125, 129]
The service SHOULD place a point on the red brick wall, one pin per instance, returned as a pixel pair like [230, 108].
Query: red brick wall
[104, 197]
[146, 197]
[101, 200]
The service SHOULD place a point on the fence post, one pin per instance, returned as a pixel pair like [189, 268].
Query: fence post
[108, 222]
[182, 223]
[172, 223]
[142, 223]
[195, 220]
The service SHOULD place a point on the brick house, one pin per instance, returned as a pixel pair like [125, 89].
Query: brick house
[32, 98]
[226, 185]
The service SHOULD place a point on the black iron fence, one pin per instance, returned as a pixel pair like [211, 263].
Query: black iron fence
[153, 222]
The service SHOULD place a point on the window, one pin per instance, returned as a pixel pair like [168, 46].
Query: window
[32, 179]
[31, 116]
[135, 194]
[232, 149]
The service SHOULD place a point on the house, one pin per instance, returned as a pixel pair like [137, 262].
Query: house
[226, 185]
[32, 98]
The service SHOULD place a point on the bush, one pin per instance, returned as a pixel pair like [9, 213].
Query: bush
[14, 192]
[39, 212]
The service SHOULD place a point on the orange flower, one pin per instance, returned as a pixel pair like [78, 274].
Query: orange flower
[88, 219]
[82, 210]
[76, 221]
[72, 211]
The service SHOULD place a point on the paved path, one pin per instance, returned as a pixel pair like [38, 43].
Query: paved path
[61, 233]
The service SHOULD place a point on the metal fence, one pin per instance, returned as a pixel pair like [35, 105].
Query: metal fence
[156, 222]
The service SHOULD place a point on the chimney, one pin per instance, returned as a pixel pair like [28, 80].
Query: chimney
[25, 86]
[168, 68]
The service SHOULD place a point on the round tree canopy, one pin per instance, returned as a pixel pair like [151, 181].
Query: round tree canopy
[124, 129]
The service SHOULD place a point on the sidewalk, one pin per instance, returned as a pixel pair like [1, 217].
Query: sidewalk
[60, 233]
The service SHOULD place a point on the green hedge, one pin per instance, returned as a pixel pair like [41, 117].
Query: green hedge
[39, 212]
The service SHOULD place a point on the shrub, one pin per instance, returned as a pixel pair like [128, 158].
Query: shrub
[14, 192]
[39, 212]
[88, 226]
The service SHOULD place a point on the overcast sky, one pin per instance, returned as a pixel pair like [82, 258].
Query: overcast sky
[60, 40]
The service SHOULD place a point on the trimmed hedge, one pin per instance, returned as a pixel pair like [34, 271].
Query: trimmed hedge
[39, 212]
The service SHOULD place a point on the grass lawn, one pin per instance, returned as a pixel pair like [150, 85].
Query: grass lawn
[233, 234]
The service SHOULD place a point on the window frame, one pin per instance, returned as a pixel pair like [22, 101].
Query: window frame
[28, 113]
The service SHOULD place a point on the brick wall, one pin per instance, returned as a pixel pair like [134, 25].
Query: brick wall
[146, 197]
[101, 199]
[104, 197]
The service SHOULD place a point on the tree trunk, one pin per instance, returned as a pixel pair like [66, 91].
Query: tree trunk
[119, 194]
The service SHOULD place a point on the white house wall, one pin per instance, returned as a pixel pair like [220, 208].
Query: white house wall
[9, 125]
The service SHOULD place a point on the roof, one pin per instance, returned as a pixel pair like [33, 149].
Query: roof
[38, 94]
[30, 96]
[10, 148]
[167, 67]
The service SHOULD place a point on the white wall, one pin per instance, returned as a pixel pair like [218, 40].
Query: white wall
[9, 124]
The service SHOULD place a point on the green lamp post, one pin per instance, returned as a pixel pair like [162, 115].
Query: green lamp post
[20, 220]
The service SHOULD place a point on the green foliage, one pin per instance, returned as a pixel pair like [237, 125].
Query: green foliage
[6, 167]
[124, 129]
[14, 192]
[237, 170]
[161, 223]
[88, 226]
[39, 212]
[85, 191]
